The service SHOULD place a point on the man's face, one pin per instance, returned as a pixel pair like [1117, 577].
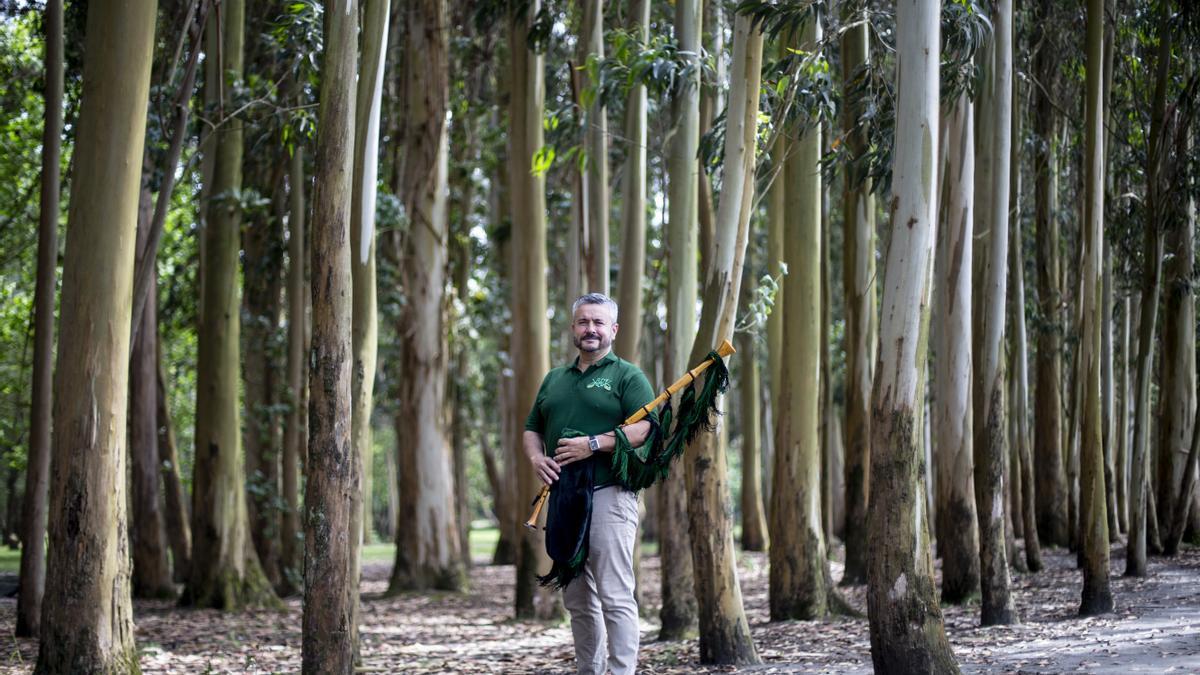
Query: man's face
[594, 328]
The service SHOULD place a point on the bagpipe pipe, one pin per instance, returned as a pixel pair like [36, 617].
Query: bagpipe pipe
[569, 519]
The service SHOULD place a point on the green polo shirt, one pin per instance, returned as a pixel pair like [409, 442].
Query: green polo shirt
[592, 402]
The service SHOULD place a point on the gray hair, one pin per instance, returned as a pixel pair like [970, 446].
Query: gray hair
[596, 299]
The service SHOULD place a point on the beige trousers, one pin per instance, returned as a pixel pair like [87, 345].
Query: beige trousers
[604, 614]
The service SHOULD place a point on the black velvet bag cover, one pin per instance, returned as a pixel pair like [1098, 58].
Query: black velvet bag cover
[569, 520]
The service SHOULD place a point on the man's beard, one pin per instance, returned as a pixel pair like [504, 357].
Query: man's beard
[601, 343]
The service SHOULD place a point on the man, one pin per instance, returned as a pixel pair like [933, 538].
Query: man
[573, 420]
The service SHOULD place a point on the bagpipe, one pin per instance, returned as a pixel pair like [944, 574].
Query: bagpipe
[569, 519]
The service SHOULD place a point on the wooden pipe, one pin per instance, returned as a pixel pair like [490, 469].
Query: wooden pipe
[725, 349]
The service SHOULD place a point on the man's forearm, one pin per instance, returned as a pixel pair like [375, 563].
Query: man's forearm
[533, 444]
[636, 433]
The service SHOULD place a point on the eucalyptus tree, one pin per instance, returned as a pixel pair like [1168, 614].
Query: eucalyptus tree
[32, 579]
[428, 553]
[991, 225]
[633, 203]
[295, 437]
[231, 576]
[530, 329]
[724, 631]
[907, 630]
[87, 615]
[596, 156]
[1051, 482]
[1152, 271]
[333, 491]
[678, 613]
[858, 274]
[364, 338]
[799, 580]
[958, 542]
[1097, 594]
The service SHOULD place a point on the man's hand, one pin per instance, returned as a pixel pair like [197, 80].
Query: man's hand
[545, 468]
[572, 450]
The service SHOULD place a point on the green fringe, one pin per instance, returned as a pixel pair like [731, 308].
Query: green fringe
[695, 415]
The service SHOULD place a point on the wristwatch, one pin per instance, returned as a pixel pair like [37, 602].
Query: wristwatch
[593, 444]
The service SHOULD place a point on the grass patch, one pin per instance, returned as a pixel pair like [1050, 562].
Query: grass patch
[10, 560]
[483, 544]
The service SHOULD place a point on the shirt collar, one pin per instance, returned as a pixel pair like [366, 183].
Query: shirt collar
[610, 357]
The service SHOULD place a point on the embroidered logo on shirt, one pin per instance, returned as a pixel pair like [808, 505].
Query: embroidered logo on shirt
[601, 382]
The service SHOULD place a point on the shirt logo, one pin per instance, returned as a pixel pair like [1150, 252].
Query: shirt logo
[601, 382]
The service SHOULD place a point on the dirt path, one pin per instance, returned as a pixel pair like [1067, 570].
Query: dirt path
[1156, 628]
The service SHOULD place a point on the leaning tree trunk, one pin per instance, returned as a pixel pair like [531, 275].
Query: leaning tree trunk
[1051, 480]
[531, 332]
[1097, 595]
[678, 613]
[633, 207]
[959, 548]
[1152, 270]
[858, 274]
[32, 579]
[798, 588]
[87, 617]
[428, 554]
[724, 631]
[229, 576]
[364, 334]
[1122, 413]
[333, 492]
[907, 631]
[295, 438]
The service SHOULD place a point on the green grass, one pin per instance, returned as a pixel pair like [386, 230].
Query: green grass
[10, 560]
[483, 543]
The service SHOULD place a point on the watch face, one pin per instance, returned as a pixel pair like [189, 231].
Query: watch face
[593, 443]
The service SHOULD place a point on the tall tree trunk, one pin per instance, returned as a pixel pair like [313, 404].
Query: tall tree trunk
[178, 524]
[530, 335]
[959, 547]
[724, 631]
[295, 438]
[1051, 480]
[32, 579]
[1177, 380]
[1152, 271]
[230, 577]
[596, 178]
[797, 576]
[1024, 499]
[989, 413]
[333, 492]
[754, 520]
[1122, 440]
[364, 334]
[858, 274]
[907, 631]
[684, 177]
[428, 554]
[87, 617]
[1097, 596]
[262, 244]
[147, 536]
[633, 206]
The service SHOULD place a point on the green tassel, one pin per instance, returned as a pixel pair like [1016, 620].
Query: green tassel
[695, 415]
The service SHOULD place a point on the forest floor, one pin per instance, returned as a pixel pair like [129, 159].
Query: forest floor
[1155, 628]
